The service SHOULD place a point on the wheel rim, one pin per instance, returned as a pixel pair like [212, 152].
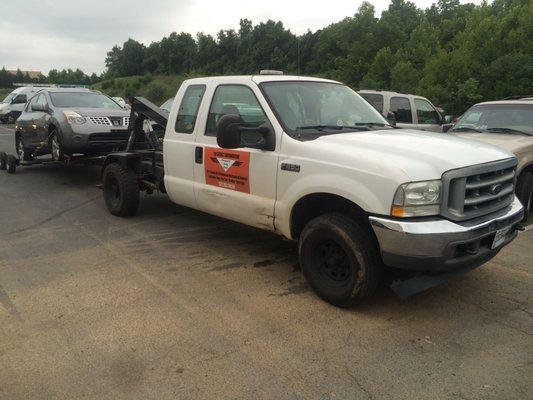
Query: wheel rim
[20, 150]
[333, 261]
[55, 148]
[113, 194]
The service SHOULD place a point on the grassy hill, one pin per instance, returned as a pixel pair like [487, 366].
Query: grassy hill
[156, 88]
[4, 93]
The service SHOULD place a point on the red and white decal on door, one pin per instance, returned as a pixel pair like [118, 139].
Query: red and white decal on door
[228, 169]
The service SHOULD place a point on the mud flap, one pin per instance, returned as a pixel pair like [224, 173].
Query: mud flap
[419, 283]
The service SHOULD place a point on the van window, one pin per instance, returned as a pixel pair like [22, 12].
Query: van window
[375, 100]
[238, 100]
[426, 112]
[401, 107]
[188, 111]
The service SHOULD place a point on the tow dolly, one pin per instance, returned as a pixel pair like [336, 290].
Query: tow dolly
[9, 162]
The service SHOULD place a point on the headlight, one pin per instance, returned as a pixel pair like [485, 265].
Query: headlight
[73, 118]
[417, 199]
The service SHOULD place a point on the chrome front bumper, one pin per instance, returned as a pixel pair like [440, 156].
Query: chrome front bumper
[442, 245]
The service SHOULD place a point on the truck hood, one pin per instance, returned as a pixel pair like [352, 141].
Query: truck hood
[512, 143]
[420, 155]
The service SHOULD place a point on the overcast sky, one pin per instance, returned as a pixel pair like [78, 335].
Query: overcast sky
[45, 34]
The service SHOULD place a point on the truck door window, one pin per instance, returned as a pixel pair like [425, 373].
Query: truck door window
[426, 112]
[188, 111]
[401, 107]
[239, 100]
[375, 100]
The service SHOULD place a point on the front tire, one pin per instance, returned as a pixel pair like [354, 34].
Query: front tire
[340, 259]
[56, 148]
[22, 153]
[524, 192]
[121, 190]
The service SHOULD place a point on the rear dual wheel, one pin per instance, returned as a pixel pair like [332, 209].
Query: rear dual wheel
[121, 190]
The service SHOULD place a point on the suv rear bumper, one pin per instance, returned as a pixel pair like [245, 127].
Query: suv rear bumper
[442, 245]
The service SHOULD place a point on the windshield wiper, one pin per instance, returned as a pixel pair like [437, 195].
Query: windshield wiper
[372, 124]
[466, 129]
[335, 127]
[508, 130]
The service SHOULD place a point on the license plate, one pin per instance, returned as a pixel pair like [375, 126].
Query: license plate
[499, 238]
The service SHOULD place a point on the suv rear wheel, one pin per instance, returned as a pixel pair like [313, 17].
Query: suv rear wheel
[339, 259]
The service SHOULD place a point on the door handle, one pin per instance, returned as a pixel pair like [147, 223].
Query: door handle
[199, 155]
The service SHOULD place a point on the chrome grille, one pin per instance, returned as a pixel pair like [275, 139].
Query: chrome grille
[478, 190]
[100, 120]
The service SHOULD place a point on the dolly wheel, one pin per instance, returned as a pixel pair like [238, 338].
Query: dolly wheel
[3, 161]
[11, 164]
[121, 190]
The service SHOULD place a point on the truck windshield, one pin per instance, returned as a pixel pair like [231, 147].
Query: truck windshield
[83, 100]
[315, 108]
[497, 118]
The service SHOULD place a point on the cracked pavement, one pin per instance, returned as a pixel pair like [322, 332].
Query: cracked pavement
[177, 304]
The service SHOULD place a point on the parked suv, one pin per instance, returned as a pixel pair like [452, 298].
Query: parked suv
[12, 106]
[509, 125]
[64, 121]
[407, 110]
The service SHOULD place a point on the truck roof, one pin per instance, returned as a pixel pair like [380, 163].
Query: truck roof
[502, 102]
[257, 79]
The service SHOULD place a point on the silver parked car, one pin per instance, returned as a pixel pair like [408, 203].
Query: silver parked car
[63, 122]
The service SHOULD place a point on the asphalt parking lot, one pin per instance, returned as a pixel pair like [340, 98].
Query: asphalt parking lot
[176, 304]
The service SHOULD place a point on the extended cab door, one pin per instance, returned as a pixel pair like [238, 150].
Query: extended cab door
[428, 117]
[179, 145]
[236, 184]
[403, 111]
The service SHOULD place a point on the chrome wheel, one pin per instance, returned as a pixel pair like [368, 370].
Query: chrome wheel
[20, 150]
[55, 148]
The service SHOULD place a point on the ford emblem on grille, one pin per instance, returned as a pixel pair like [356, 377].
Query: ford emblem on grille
[496, 188]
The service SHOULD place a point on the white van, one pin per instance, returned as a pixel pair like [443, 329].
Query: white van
[11, 107]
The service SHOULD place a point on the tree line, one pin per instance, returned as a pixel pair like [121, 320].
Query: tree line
[64, 76]
[455, 54]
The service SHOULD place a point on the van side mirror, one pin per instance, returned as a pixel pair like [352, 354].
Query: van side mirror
[391, 117]
[232, 133]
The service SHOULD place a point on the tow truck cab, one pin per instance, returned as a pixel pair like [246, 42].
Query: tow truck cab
[311, 160]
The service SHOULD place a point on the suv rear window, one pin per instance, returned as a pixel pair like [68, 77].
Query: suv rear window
[375, 100]
[401, 107]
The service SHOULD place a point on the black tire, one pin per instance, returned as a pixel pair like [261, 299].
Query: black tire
[524, 191]
[56, 148]
[3, 161]
[22, 152]
[11, 164]
[121, 190]
[340, 259]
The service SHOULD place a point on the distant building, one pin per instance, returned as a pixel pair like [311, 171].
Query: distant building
[31, 74]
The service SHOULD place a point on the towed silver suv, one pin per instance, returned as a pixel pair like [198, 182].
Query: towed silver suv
[63, 122]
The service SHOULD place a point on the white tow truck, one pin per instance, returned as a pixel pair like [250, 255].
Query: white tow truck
[311, 160]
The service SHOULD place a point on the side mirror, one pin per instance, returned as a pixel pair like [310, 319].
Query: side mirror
[447, 119]
[38, 107]
[391, 117]
[446, 127]
[232, 134]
